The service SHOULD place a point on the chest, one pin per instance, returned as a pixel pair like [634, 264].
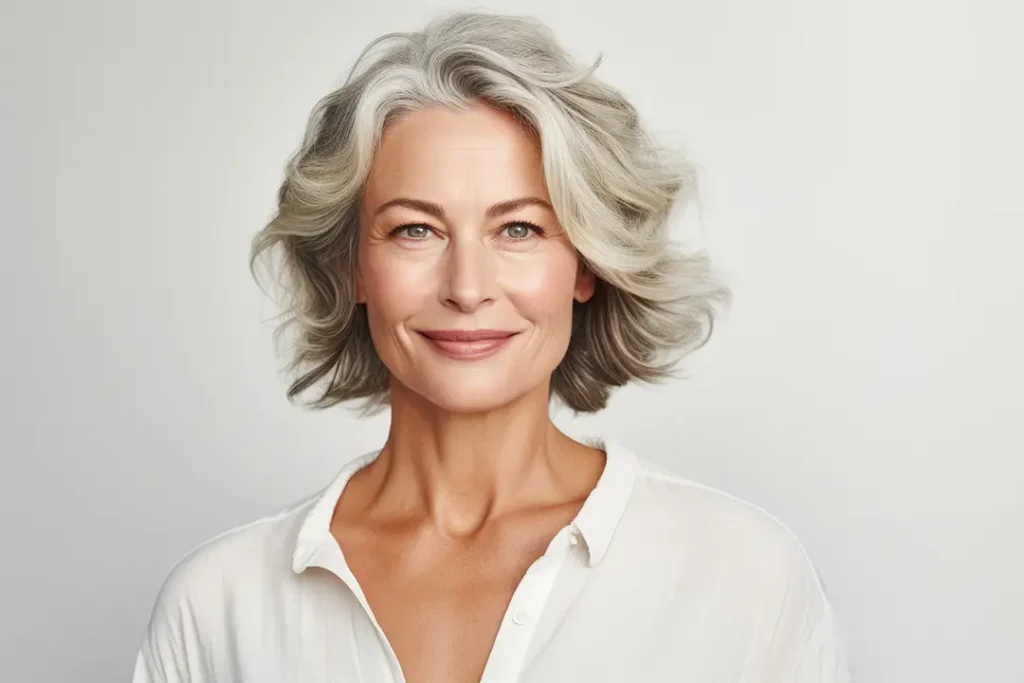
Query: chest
[466, 613]
[443, 629]
[440, 603]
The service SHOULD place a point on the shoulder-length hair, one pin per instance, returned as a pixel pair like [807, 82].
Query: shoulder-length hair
[611, 187]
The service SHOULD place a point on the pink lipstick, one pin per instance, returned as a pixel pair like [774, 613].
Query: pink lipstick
[468, 344]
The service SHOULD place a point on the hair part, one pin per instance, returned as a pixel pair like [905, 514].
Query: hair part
[611, 187]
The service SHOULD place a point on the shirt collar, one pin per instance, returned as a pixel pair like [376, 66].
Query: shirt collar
[315, 538]
[596, 520]
[605, 505]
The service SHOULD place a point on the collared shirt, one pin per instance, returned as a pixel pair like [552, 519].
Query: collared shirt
[658, 578]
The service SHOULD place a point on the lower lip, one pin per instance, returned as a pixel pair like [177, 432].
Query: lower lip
[469, 350]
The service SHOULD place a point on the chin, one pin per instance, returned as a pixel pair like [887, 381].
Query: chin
[471, 394]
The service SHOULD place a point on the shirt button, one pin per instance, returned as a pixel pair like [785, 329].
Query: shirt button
[520, 618]
[574, 539]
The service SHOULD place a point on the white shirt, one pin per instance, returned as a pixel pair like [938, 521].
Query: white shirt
[656, 579]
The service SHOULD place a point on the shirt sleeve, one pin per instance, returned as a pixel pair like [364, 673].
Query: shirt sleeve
[163, 654]
[823, 658]
[800, 639]
[146, 670]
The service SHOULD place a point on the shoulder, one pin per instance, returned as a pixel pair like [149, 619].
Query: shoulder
[248, 556]
[209, 585]
[725, 551]
[731, 536]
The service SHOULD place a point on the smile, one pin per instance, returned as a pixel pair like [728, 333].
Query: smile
[468, 344]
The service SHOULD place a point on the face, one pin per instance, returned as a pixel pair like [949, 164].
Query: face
[467, 276]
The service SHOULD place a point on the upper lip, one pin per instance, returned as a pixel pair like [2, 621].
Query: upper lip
[466, 335]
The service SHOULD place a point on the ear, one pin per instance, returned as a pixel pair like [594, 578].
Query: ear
[586, 281]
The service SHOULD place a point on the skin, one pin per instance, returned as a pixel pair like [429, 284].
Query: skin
[474, 479]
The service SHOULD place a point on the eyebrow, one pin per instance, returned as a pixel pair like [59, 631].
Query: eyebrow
[435, 210]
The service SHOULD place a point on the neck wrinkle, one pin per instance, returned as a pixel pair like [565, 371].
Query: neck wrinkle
[463, 470]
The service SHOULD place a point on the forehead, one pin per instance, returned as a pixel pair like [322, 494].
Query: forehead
[442, 154]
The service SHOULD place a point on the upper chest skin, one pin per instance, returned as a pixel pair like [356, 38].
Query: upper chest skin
[440, 600]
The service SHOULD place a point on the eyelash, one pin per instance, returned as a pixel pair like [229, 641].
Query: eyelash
[534, 227]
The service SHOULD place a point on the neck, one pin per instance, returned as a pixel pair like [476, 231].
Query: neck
[463, 470]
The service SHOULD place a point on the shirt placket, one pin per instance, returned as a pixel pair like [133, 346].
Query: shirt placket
[525, 609]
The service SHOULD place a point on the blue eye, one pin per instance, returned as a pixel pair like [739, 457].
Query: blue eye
[518, 231]
[415, 231]
[522, 230]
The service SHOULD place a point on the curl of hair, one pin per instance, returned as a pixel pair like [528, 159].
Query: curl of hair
[612, 189]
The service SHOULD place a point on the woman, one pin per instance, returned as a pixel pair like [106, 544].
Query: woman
[473, 226]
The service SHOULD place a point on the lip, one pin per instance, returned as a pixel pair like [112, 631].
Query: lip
[468, 344]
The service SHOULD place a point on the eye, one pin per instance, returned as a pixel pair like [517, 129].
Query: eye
[413, 231]
[522, 230]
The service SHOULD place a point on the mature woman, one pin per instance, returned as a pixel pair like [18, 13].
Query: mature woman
[474, 226]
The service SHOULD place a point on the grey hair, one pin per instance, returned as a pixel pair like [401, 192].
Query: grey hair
[612, 189]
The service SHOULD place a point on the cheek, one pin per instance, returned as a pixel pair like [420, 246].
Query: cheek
[543, 289]
[393, 292]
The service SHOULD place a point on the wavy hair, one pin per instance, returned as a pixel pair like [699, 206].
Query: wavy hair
[611, 187]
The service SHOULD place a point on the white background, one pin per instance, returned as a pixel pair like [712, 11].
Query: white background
[862, 189]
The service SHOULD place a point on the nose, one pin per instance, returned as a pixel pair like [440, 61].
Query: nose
[469, 277]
